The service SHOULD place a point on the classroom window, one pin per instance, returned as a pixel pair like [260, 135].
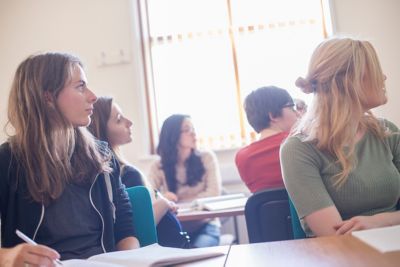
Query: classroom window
[203, 57]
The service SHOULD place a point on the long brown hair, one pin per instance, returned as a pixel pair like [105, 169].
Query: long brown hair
[50, 150]
[98, 127]
[337, 72]
[100, 117]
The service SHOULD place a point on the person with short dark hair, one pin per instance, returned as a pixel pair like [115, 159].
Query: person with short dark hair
[270, 111]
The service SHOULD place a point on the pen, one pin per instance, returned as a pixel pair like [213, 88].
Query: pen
[31, 242]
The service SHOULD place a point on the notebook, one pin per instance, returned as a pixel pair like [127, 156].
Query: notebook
[150, 256]
[221, 202]
[384, 239]
[225, 204]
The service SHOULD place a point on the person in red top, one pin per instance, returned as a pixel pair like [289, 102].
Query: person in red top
[271, 113]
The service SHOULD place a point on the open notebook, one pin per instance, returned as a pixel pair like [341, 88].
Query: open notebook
[215, 203]
[150, 256]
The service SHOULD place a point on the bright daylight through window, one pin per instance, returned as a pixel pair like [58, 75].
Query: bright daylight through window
[205, 56]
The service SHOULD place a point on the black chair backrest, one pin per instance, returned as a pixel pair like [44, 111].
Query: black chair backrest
[268, 216]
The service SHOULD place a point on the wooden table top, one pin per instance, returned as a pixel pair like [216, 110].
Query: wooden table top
[332, 251]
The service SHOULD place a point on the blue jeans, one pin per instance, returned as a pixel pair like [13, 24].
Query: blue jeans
[206, 236]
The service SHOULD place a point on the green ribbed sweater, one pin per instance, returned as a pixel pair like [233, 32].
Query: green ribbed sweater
[372, 187]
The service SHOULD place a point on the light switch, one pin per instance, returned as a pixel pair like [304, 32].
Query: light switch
[114, 57]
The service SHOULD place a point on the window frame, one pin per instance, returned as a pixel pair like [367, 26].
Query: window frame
[151, 102]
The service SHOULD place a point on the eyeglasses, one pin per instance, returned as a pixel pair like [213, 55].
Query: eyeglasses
[296, 107]
[289, 105]
[292, 106]
[188, 130]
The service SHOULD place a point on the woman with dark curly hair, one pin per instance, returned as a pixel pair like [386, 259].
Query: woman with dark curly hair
[184, 173]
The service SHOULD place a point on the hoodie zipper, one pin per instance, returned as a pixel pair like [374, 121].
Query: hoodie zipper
[91, 202]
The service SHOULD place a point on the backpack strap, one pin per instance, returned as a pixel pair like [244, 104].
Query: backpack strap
[107, 179]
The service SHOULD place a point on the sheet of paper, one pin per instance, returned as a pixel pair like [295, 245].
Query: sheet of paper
[154, 255]
[225, 204]
[385, 239]
[86, 263]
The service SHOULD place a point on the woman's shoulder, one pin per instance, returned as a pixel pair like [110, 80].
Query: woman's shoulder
[130, 169]
[131, 176]
[5, 148]
[299, 144]
[296, 140]
[156, 161]
[155, 164]
[5, 161]
[5, 152]
[206, 155]
[392, 134]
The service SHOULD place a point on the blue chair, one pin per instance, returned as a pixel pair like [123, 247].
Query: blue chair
[268, 216]
[143, 218]
[298, 232]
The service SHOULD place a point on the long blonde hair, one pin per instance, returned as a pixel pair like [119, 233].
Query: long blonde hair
[50, 150]
[336, 75]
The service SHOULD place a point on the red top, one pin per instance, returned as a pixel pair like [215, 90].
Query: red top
[259, 165]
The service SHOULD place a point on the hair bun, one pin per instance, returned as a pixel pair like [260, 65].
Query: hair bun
[304, 85]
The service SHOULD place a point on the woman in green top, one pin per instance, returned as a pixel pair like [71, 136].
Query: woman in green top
[341, 165]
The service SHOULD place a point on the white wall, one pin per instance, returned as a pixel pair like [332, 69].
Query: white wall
[88, 27]
[85, 28]
[377, 21]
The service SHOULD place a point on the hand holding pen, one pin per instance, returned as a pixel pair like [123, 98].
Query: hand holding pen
[31, 254]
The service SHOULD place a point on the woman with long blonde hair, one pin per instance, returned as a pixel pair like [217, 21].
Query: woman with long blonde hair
[55, 180]
[341, 165]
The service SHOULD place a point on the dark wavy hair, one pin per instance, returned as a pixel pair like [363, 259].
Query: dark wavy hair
[168, 151]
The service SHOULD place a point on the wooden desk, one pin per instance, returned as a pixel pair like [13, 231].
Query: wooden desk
[205, 214]
[333, 251]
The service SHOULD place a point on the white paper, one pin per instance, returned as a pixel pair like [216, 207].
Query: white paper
[201, 201]
[86, 263]
[384, 239]
[154, 255]
[226, 204]
[214, 203]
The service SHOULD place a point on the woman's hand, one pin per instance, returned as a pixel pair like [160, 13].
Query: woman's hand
[171, 196]
[171, 204]
[357, 223]
[28, 255]
[173, 207]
